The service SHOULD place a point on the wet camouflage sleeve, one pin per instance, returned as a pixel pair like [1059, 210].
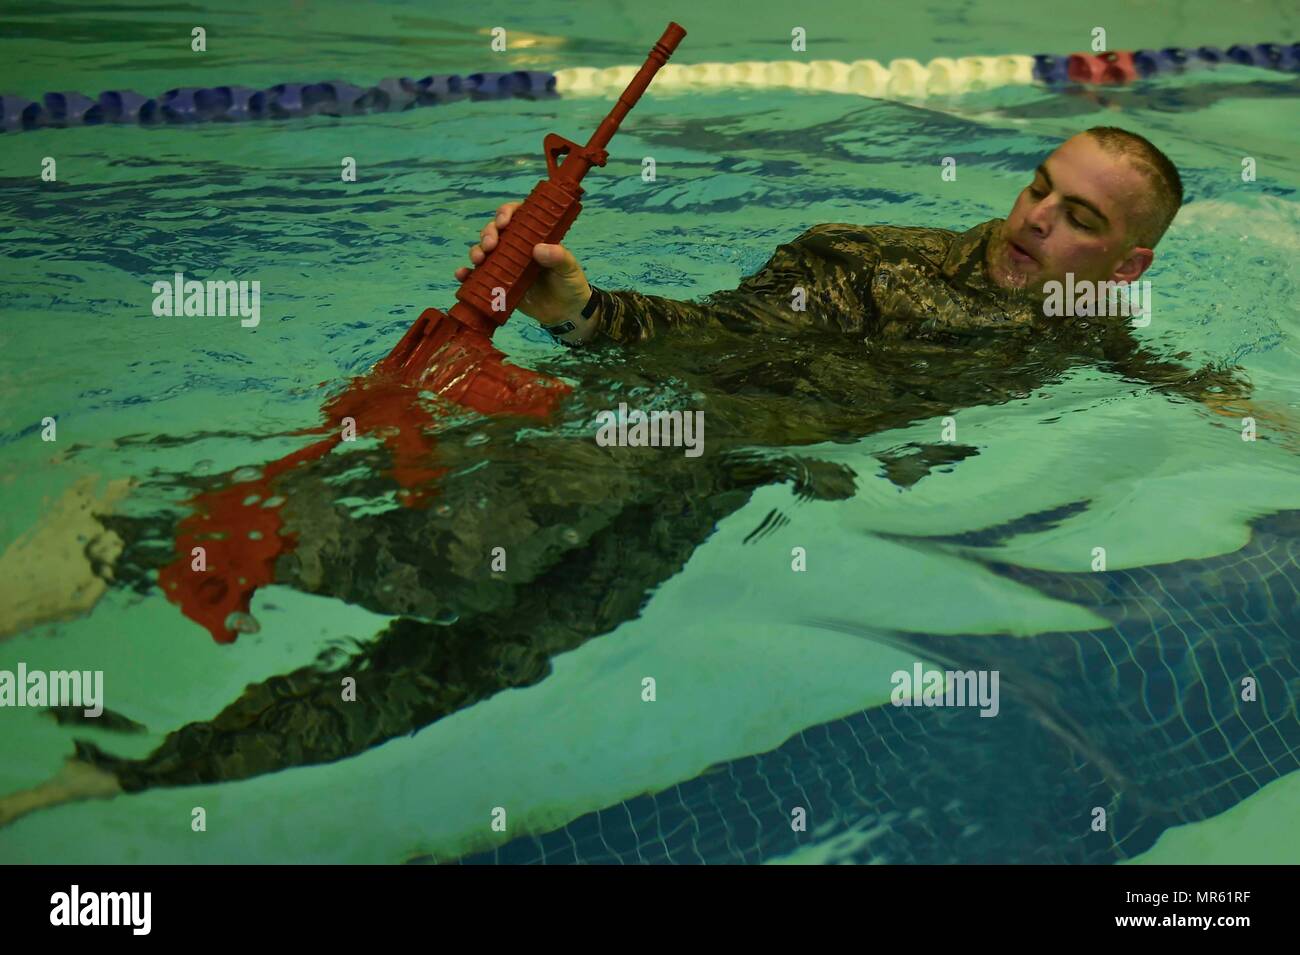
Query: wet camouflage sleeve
[1130, 358]
[830, 262]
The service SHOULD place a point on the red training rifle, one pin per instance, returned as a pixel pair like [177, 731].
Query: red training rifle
[227, 546]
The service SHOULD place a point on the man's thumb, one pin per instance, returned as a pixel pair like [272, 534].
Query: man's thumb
[555, 257]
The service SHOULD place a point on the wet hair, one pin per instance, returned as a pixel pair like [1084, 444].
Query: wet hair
[1159, 171]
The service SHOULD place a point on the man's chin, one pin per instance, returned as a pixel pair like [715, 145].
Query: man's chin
[1016, 276]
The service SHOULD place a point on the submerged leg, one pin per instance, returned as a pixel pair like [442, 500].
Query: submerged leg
[416, 673]
[595, 544]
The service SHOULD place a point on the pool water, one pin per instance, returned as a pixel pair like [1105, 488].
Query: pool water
[1121, 688]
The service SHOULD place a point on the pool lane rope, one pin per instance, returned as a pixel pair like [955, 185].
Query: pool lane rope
[900, 79]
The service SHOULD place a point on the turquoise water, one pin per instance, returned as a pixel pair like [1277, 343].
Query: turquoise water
[736, 642]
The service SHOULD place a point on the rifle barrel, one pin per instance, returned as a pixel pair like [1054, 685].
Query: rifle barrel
[659, 55]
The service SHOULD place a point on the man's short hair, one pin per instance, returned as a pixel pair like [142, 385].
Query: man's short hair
[1160, 172]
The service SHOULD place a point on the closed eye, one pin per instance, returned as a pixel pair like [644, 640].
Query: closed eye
[1074, 220]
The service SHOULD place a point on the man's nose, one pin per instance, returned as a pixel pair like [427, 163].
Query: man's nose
[1040, 217]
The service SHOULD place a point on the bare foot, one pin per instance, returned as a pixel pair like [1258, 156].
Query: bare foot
[49, 573]
[74, 782]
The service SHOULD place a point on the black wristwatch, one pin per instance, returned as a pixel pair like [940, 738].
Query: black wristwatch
[560, 329]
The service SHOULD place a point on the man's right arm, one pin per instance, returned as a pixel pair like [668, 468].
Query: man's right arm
[819, 279]
[809, 282]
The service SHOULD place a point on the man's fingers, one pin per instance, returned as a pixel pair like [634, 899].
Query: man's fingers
[489, 235]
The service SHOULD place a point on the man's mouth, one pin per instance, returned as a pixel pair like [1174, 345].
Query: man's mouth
[1019, 254]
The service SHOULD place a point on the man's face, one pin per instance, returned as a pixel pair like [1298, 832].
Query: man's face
[1075, 216]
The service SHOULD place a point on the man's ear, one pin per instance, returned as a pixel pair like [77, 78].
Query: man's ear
[1130, 269]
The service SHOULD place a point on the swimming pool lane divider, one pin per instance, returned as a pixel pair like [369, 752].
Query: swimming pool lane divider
[900, 79]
